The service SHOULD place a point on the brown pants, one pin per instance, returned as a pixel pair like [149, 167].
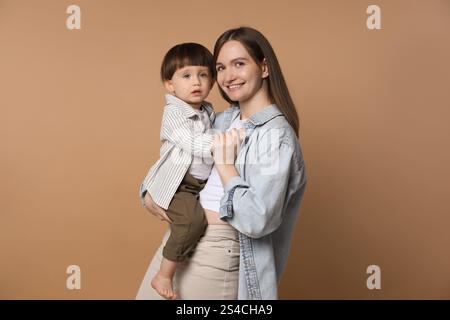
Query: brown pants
[188, 220]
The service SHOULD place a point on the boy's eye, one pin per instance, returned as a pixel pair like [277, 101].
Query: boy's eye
[204, 75]
[186, 75]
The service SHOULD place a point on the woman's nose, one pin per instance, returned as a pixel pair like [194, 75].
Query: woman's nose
[229, 76]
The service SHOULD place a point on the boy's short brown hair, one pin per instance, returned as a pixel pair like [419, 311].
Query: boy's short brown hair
[186, 54]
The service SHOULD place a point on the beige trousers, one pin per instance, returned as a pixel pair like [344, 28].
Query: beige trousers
[210, 274]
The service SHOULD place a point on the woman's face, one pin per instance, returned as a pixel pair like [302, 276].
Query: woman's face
[239, 76]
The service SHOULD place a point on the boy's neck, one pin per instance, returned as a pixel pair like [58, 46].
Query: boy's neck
[195, 106]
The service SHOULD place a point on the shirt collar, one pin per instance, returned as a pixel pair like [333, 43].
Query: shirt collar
[263, 116]
[186, 109]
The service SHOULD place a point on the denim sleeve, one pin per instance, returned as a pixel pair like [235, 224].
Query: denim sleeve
[255, 207]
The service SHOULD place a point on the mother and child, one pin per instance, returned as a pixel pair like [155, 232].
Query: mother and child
[229, 184]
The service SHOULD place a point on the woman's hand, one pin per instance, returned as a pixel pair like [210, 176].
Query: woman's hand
[226, 146]
[154, 209]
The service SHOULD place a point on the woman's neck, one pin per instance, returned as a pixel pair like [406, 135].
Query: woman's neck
[256, 103]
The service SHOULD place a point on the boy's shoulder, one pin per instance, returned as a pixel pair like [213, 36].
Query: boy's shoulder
[177, 107]
[208, 107]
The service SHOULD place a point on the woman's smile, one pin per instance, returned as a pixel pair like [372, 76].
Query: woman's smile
[234, 87]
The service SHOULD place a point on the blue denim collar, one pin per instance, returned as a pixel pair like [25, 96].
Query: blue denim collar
[259, 118]
[265, 115]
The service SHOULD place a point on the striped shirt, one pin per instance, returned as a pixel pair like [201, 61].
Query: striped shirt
[184, 137]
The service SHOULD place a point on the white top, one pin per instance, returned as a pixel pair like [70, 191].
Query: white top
[201, 167]
[213, 191]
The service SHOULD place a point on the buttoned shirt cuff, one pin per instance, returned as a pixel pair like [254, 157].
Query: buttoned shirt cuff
[226, 203]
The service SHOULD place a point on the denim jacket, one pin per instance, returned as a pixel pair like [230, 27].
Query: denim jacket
[263, 202]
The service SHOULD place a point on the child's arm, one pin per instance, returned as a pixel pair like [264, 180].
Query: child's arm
[177, 129]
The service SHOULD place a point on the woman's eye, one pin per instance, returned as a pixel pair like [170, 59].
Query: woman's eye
[219, 68]
[239, 64]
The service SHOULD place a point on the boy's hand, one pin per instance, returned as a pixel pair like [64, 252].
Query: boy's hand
[154, 209]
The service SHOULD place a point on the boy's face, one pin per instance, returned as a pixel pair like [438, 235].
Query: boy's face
[191, 84]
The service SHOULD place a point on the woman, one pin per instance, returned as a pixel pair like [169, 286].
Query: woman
[250, 218]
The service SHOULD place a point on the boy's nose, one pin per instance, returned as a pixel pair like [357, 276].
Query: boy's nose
[196, 80]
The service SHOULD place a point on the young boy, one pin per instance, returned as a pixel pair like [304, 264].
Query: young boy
[175, 180]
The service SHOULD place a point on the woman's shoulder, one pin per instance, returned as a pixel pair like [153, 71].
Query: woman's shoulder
[278, 129]
[281, 127]
[222, 115]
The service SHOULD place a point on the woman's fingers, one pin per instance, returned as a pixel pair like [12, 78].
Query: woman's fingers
[216, 142]
[218, 147]
[227, 145]
[236, 143]
[242, 134]
[238, 136]
[230, 148]
[161, 213]
[234, 136]
[154, 209]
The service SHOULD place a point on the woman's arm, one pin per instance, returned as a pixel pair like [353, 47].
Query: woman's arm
[154, 209]
[255, 207]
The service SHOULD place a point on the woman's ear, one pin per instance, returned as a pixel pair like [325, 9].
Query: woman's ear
[169, 86]
[264, 69]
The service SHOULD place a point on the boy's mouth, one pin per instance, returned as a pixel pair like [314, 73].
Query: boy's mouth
[196, 92]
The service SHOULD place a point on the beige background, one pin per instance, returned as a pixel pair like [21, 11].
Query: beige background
[79, 128]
